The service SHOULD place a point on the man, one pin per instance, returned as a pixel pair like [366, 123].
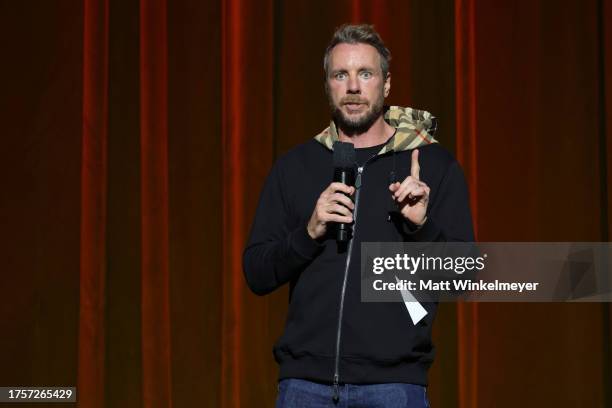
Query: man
[335, 349]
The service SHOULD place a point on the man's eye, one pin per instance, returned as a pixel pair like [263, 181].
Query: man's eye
[340, 75]
[366, 75]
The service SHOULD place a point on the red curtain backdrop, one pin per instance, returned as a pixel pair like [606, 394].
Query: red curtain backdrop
[94, 170]
[137, 136]
[155, 291]
[247, 151]
[467, 154]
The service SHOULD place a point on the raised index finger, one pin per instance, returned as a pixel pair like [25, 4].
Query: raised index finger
[415, 168]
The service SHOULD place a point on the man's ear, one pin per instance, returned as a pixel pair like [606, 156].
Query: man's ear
[387, 86]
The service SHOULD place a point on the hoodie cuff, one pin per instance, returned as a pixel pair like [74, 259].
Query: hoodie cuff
[428, 232]
[303, 244]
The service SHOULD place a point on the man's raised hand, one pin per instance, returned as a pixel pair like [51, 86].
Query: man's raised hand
[412, 195]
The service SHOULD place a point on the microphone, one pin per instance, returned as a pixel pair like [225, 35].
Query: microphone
[344, 172]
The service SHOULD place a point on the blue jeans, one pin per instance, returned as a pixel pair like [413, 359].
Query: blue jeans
[294, 393]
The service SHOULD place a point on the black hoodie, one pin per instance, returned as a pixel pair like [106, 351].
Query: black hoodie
[331, 336]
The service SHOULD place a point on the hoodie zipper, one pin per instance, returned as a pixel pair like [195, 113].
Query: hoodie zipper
[336, 395]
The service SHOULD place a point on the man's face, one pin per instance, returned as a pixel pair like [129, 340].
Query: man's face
[355, 86]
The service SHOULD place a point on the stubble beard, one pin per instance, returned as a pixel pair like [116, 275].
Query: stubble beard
[361, 124]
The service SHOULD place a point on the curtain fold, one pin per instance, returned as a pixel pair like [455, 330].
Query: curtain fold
[195, 200]
[467, 155]
[93, 204]
[156, 325]
[248, 146]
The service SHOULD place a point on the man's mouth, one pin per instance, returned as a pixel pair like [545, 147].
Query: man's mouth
[354, 106]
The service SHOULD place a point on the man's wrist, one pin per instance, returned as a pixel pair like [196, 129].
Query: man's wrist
[419, 225]
[311, 234]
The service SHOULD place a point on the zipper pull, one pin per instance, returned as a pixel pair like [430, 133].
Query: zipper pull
[358, 179]
[336, 396]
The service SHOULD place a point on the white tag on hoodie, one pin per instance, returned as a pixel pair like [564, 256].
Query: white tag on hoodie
[415, 309]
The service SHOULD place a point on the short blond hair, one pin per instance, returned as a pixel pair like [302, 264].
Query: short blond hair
[359, 34]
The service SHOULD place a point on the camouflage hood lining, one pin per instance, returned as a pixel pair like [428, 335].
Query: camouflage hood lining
[414, 128]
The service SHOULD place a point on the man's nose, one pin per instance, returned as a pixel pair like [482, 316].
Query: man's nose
[353, 86]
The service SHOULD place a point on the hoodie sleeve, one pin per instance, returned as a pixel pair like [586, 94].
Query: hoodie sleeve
[276, 252]
[448, 217]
